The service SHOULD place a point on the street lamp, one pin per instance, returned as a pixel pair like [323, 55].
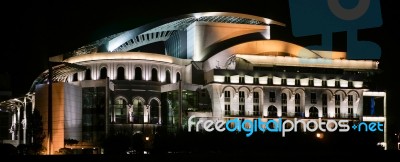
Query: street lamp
[22, 122]
[319, 135]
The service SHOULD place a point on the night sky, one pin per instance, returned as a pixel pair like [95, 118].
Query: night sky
[35, 30]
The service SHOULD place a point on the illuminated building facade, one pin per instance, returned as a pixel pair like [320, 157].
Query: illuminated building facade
[214, 65]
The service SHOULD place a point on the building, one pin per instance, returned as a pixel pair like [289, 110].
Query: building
[5, 94]
[214, 65]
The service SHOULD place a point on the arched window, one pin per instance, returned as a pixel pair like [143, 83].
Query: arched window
[137, 110]
[154, 76]
[121, 73]
[120, 111]
[75, 77]
[297, 105]
[138, 73]
[154, 111]
[313, 112]
[272, 111]
[284, 104]
[297, 98]
[103, 73]
[167, 76]
[88, 74]
[178, 77]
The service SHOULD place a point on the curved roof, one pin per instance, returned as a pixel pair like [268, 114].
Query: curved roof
[161, 30]
[272, 47]
[127, 56]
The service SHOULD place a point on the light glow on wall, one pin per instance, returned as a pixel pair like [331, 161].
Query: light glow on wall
[126, 56]
[344, 83]
[290, 81]
[373, 118]
[263, 60]
[248, 79]
[382, 94]
[263, 80]
[357, 84]
[304, 81]
[235, 79]
[331, 82]
[317, 82]
[276, 80]
[219, 78]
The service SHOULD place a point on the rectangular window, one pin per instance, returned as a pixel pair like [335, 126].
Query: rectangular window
[241, 79]
[227, 79]
[297, 110]
[311, 82]
[297, 99]
[313, 98]
[241, 110]
[283, 81]
[324, 99]
[241, 96]
[324, 84]
[256, 110]
[227, 109]
[284, 110]
[337, 83]
[271, 96]
[297, 82]
[350, 100]
[337, 112]
[337, 100]
[350, 112]
[256, 97]
[324, 111]
[227, 95]
[255, 80]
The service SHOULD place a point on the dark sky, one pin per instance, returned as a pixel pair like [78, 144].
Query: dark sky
[35, 30]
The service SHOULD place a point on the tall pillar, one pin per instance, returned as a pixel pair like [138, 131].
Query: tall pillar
[49, 107]
[107, 116]
[24, 123]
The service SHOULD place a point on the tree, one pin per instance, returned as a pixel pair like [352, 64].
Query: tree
[36, 130]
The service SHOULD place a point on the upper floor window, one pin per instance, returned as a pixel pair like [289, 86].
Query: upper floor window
[241, 79]
[178, 77]
[103, 73]
[227, 95]
[337, 99]
[167, 76]
[138, 73]
[241, 96]
[271, 96]
[88, 74]
[227, 79]
[350, 100]
[255, 80]
[120, 73]
[297, 98]
[313, 98]
[256, 97]
[154, 75]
